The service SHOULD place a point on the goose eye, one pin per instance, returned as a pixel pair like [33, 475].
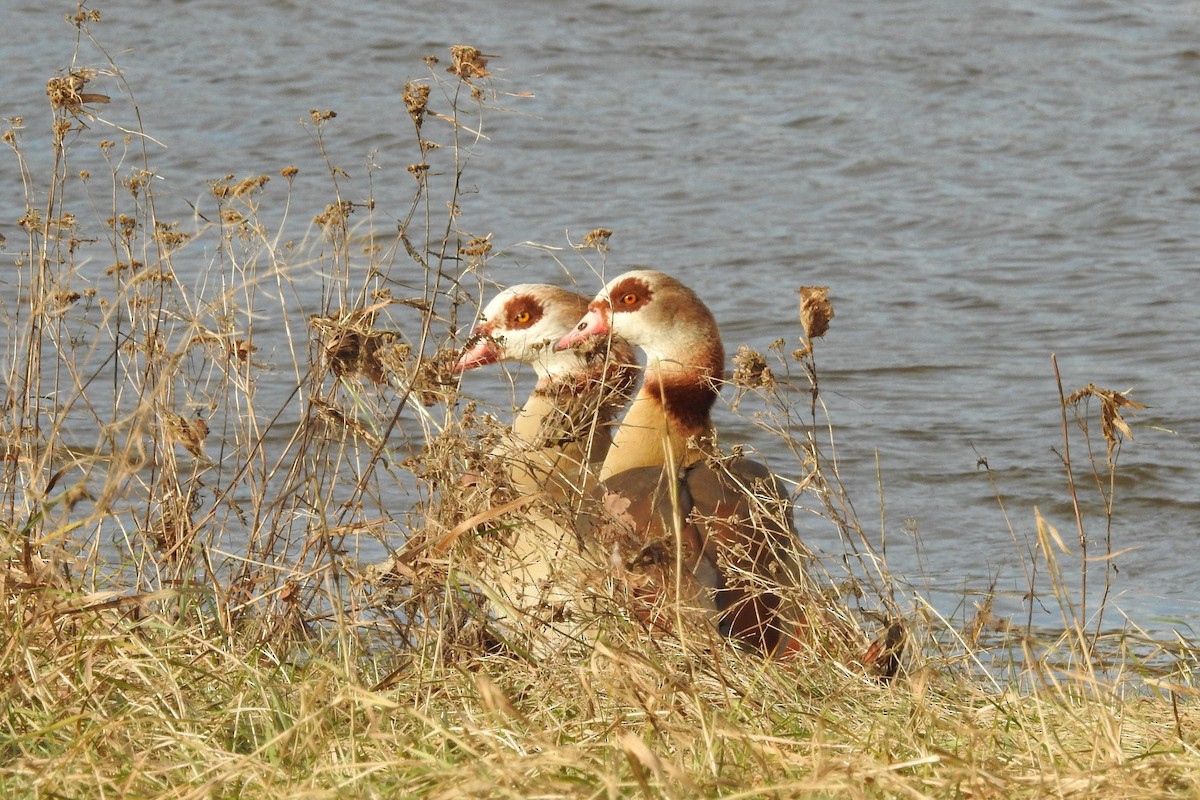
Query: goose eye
[629, 298]
[522, 317]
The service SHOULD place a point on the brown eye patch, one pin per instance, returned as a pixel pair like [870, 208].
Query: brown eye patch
[630, 295]
[521, 312]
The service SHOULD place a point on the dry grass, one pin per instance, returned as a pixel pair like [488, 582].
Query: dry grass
[184, 599]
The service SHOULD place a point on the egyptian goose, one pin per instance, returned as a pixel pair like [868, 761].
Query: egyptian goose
[563, 432]
[731, 517]
[661, 485]
[556, 445]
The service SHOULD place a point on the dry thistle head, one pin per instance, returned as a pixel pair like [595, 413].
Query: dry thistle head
[468, 62]
[815, 311]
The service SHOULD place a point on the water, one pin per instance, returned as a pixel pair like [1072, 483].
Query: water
[982, 185]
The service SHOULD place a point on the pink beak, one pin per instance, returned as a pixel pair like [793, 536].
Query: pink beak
[595, 323]
[483, 351]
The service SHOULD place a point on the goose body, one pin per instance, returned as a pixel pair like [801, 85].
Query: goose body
[724, 525]
[555, 447]
[717, 530]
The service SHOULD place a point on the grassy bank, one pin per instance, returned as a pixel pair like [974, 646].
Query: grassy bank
[188, 601]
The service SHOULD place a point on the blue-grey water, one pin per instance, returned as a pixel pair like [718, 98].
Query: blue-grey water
[982, 185]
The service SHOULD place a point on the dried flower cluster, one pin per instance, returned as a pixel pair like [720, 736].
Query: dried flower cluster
[597, 239]
[225, 188]
[468, 62]
[416, 101]
[479, 246]
[65, 91]
[334, 213]
[750, 370]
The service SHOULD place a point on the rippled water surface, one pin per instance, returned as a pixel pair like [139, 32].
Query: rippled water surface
[981, 185]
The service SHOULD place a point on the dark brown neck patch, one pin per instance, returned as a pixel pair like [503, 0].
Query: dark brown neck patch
[687, 402]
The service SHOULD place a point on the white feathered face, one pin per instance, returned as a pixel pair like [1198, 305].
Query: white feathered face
[523, 323]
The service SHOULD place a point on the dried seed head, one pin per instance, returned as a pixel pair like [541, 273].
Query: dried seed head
[335, 213]
[31, 220]
[468, 62]
[248, 185]
[750, 370]
[61, 128]
[64, 91]
[169, 235]
[598, 239]
[815, 310]
[416, 99]
[479, 246]
[122, 266]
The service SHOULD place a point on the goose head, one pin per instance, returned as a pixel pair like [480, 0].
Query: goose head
[658, 314]
[522, 324]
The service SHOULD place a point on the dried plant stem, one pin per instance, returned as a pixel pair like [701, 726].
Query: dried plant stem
[1066, 460]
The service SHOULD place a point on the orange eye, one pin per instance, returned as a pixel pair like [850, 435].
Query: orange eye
[629, 298]
[522, 317]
